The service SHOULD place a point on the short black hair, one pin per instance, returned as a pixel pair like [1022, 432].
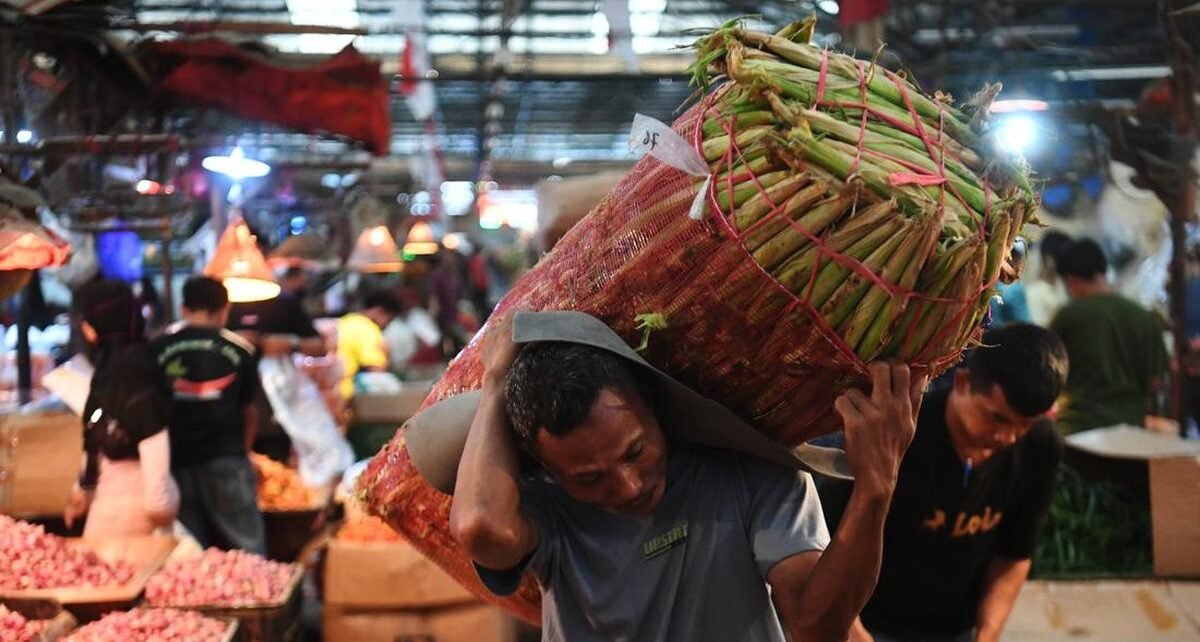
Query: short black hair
[1052, 244]
[553, 385]
[205, 294]
[1028, 362]
[384, 299]
[1083, 259]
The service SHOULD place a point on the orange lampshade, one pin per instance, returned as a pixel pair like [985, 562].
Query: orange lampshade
[420, 240]
[240, 265]
[375, 251]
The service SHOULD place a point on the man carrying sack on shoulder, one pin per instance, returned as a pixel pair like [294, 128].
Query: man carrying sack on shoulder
[654, 513]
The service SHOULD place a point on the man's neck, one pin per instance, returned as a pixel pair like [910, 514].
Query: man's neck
[1092, 288]
[202, 321]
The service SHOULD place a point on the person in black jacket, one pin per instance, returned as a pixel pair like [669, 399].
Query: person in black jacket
[972, 493]
[125, 486]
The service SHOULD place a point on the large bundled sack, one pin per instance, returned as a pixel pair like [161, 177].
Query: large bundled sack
[846, 217]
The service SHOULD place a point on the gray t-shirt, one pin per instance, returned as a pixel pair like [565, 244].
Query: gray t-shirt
[694, 570]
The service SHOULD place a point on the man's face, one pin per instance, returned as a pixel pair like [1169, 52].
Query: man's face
[615, 459]
[987, 420]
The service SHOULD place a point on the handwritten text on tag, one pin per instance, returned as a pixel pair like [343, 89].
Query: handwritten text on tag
[657, 139]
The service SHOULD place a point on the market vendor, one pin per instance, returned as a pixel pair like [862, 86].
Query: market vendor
[213, 378]
[280, 326]
[972, 494]
[360, 343]
[636, 536]
[1121, 365]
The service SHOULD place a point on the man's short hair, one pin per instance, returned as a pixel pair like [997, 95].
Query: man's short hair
[1052, 244]
[1083, 259]
[205, 294]
[1028, 362]
[553, 385]
[383, 299]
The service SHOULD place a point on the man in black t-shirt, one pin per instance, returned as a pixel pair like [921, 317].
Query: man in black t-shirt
[213, 377]
[280, 325]
[971, 495]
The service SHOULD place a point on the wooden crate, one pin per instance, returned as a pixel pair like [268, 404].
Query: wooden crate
[278, 621]
[56, 622]
[147, 553]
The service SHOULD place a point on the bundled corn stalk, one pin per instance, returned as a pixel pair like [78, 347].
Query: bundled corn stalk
[848, 217]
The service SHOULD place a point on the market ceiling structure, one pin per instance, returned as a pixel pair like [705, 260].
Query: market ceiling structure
[550, 87]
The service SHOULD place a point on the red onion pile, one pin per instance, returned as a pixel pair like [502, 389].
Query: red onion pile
[15, 628]
[220, 578]
[32, 559]
[152, 625]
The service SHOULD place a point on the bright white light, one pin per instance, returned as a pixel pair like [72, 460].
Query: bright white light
[458, 197]
[236, 165]
[1016, 134]
[333, 13]
[1111, 73]
[331, 181]
[829, 6]
[1018, 104]
[24, 136]
[561, 162]
[145, 186]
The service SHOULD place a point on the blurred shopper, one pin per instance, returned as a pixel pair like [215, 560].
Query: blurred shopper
[447, 286]
[478, 281]
[280, 326]
[213, 378]
[125, 487]
[361, 345]
[972, 493]
[424, 327]
[1045, 293]
[1119, 361]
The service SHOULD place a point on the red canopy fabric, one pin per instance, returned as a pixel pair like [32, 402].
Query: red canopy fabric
[344, 95]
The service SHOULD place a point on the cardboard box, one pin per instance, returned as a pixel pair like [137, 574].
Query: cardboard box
[1173, 472]
[43, 453]
[1095, 611]
[387, 575]
[470, 623]
[1175, 515]
[390, 408]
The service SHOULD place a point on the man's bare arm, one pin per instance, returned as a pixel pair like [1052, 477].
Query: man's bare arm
[486, 517]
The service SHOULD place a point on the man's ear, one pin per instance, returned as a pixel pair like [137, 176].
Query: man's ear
[89, 332]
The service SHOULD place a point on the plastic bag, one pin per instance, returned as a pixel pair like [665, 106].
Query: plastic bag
[299, 408]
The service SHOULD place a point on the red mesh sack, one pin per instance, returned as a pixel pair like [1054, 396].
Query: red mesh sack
[821, 248]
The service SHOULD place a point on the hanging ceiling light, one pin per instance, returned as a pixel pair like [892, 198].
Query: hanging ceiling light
[239, 264]
[421, 240]
[236, 165]
[375, 252]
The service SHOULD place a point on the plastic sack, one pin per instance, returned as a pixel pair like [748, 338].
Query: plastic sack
[299, 407]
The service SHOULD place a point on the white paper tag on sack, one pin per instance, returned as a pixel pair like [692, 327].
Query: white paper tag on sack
[656, 138]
